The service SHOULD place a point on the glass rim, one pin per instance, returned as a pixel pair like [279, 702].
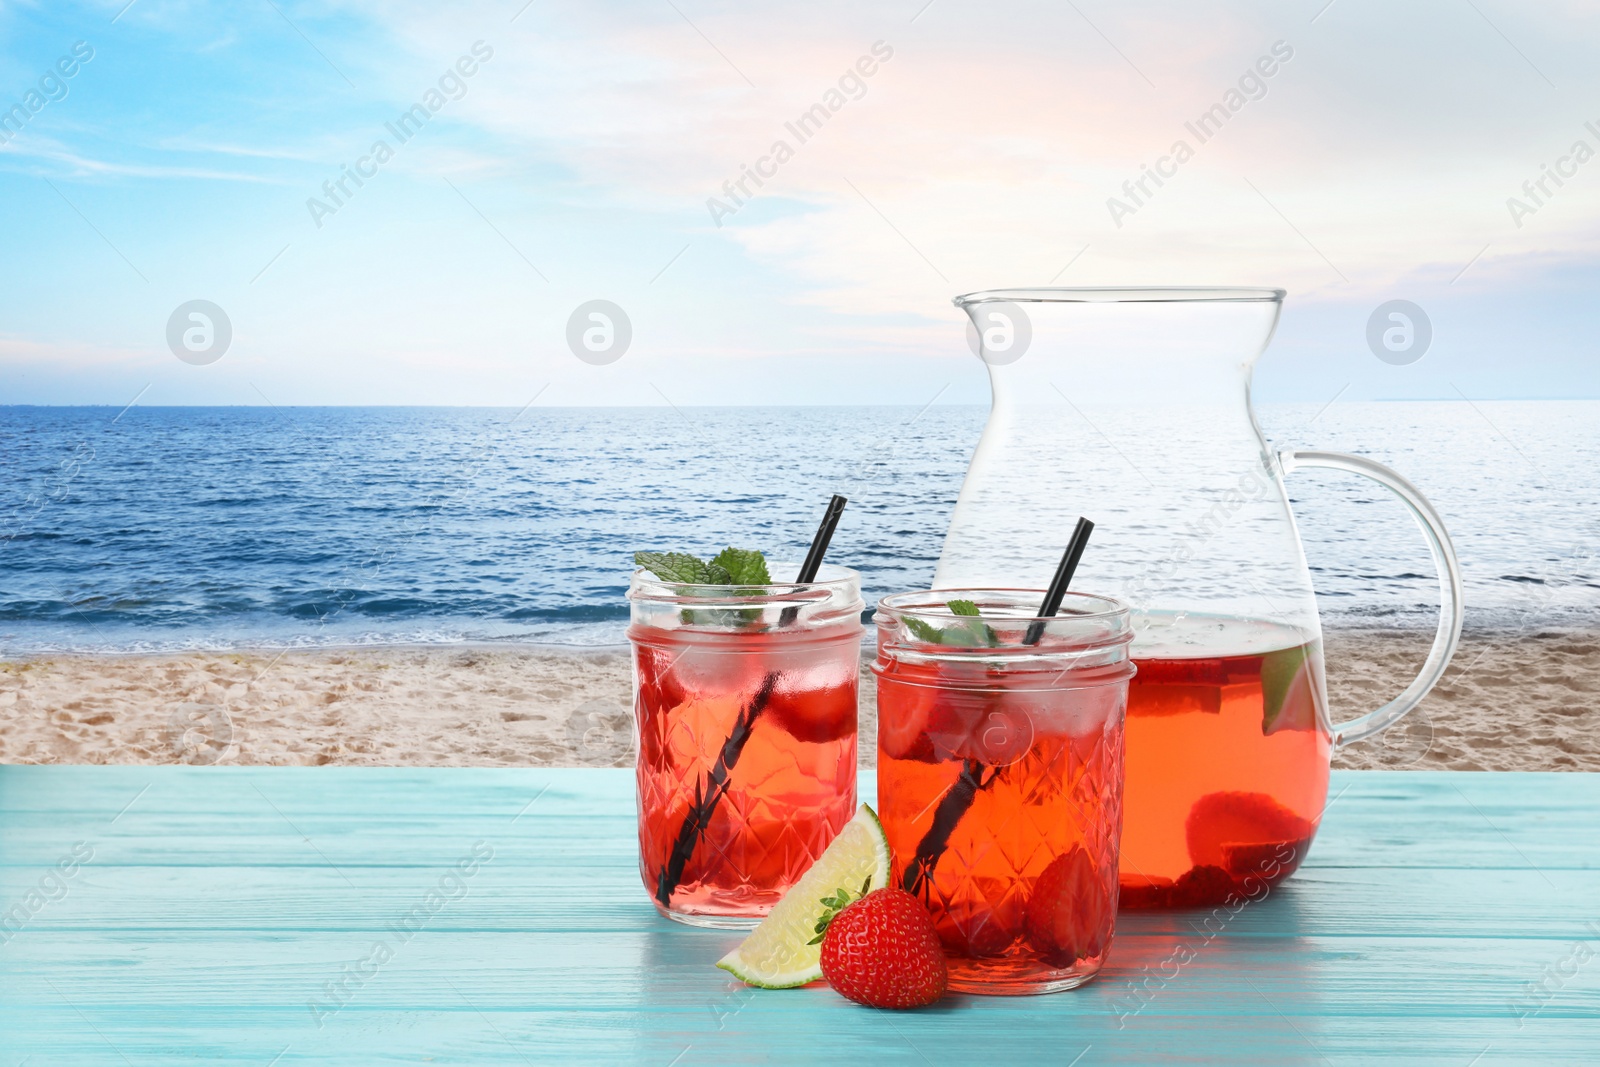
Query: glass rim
[1175, 294]
[1089, 647]
[831, 579]
[894, 605]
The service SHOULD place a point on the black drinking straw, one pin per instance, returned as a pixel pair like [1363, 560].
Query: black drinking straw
[824, 537]
[818, 549]
[709, 793]
[964, 790]
[1058, 585]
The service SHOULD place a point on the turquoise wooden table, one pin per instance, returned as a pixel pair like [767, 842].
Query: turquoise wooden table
[352, 916]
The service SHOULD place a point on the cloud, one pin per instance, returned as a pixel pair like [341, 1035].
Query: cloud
[1375, 159]
[191, 143]
[28, 146]
[25, 352]
[993, 145]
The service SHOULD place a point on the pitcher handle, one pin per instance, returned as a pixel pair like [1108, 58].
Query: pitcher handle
[1444, 559]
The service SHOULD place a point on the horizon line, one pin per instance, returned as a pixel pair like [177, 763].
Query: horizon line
[653, 407]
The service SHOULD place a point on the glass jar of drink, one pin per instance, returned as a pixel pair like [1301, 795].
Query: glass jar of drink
[1000, 769]
[745, 706]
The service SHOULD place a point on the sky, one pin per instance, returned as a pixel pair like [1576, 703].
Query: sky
[566, 153]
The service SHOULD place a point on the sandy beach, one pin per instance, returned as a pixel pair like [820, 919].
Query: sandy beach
[1511, 701]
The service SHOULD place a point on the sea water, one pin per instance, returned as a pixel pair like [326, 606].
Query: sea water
[165, 528]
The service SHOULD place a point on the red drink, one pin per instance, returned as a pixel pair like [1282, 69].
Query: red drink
[1227, 760]
[747, 743]
[1000, 783]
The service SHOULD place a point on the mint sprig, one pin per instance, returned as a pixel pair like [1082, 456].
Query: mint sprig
[745, 567]
[731, 566]
[966, 634]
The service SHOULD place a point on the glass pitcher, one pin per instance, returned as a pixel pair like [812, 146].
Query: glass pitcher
[1132, 406]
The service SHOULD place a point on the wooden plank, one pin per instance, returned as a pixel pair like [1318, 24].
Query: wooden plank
[806, 1026]
[961, 1032]
[203, 816]
[379, 791]
[673, 972]
[1318, 901]
[219, 903]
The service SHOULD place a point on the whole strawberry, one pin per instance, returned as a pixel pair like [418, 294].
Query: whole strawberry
[882, 951]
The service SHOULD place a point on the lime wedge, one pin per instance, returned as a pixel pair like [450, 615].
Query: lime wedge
[777, 954]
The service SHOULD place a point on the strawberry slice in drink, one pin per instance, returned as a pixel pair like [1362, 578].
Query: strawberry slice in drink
[1144, 892]
[659, 694]
[1269, 861]
[903, 735]
[1202, 886]
[818, 715]
[981, 729]
[1069, 911]
[932, 725]
[976, 929]
[1223, 822]
[659, 685]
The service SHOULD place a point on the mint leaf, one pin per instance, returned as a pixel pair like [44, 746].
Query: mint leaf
[976, 632]
[1279, 671]
[980, 634]
[744, 566]
[717, 574]
[672, 566]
